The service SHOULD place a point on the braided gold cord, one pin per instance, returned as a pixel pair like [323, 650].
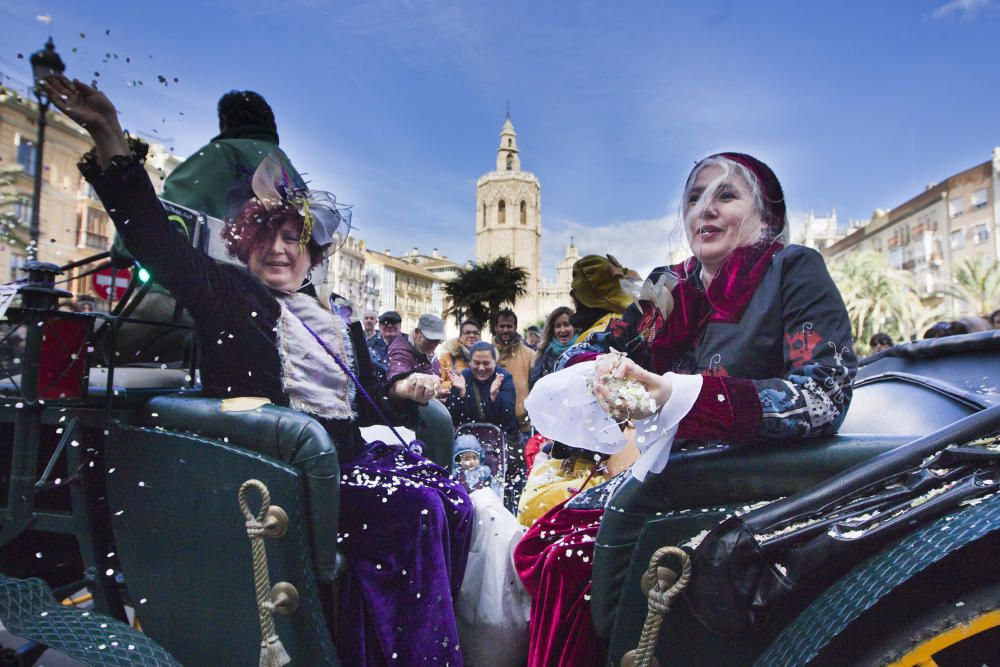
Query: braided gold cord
[660, 598]
[272, 652]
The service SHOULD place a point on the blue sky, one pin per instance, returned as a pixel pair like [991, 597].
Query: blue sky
[397, 106]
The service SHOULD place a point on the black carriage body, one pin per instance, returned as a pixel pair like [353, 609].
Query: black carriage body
[900, 396]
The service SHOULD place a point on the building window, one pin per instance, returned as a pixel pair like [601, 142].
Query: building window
[524, 213]
[980, 234]
[510, 162]
[979, 198]
[22, 211]
[502, 212]
[955, 207]
[94, 225]
[26, 155]
[484, 214]
[958, 239]
[16, 262]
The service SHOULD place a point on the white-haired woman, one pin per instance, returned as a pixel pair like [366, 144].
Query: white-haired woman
[746, 340]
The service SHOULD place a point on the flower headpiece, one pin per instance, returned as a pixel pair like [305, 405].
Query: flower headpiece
[322, 216]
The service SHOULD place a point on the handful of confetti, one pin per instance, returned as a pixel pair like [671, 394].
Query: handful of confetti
[627, 398]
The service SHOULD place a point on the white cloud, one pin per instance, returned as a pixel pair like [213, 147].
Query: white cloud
[638, 244]
[962, 10]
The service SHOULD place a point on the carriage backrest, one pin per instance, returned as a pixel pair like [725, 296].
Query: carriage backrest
[919, 387]
[185, 554]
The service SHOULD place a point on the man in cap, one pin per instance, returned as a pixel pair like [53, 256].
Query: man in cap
[378, 345]
[532, 337]
[415, 355]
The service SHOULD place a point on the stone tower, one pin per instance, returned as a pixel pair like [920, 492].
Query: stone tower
[509, 220]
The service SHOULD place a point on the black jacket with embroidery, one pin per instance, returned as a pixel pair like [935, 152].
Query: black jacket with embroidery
[783, 370]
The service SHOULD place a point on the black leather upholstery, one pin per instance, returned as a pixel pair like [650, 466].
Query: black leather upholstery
[281, 433]
[900, 395]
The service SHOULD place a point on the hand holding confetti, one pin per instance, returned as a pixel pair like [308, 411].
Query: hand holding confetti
[625, 390]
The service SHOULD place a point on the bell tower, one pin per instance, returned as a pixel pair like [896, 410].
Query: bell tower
[509, 220]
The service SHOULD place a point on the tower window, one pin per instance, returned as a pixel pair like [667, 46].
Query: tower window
[524, 213]
[510, 162]
[484, 214]
[510, 142]
[502, 212]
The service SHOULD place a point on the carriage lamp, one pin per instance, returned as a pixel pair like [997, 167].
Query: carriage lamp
[43, 63]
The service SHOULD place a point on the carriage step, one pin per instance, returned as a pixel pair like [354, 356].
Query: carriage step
[30, 611]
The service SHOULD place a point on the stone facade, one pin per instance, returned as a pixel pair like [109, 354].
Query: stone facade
[934, 232]
[509, 220]
[345, 273]
[411, 284]
[553, 295]
[818, 233]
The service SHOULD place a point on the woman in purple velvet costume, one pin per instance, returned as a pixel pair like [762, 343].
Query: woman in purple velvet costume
[405, 527]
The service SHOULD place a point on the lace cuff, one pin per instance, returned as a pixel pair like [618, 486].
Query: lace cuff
[89, 167]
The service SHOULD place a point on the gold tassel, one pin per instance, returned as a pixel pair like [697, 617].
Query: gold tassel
[273, 653]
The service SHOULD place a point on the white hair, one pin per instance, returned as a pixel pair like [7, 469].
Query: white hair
[729, 167]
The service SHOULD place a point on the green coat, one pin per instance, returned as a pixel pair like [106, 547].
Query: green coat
[202, 181]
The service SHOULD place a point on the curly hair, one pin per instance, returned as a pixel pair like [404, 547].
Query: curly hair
[254, 226]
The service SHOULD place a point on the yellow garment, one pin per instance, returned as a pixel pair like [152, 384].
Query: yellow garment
[548, 485]
[597, 327]
[452, 357]
[597, 282]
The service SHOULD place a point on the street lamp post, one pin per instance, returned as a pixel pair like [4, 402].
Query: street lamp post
[43, 63]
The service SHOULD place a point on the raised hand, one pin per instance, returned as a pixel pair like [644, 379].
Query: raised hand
[495, 387]
[90, 109]
[458, 382]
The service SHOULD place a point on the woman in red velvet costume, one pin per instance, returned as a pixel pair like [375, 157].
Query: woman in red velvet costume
[746, 340]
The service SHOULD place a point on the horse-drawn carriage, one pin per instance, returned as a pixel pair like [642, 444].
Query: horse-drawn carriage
[120, 481]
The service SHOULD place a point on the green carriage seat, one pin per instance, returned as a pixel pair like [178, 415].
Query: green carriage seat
[173, 484]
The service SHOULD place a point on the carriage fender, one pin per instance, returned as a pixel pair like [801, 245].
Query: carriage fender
[852, 595]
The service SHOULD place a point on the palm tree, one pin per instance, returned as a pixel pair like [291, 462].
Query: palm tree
[13, 231]
[976, 282]
[481, 292]
[880, 298]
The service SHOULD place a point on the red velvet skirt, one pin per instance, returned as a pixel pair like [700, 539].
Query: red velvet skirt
[554, 560]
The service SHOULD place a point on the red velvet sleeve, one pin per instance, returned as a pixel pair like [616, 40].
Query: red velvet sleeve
[727, 408]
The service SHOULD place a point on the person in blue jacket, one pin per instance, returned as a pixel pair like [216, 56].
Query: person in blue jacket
[483, 392]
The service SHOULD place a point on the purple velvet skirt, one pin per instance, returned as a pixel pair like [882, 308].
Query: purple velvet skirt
[405, 528]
